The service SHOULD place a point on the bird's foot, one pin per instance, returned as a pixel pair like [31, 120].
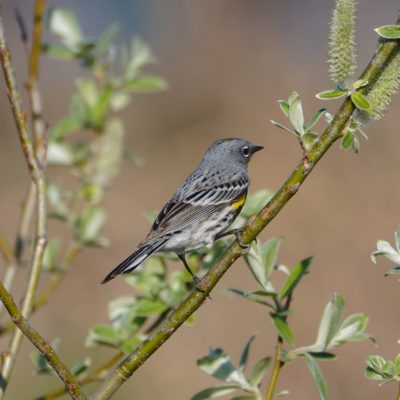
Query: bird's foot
[197, 285]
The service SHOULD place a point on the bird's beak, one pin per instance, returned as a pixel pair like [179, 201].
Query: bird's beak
[257, 148]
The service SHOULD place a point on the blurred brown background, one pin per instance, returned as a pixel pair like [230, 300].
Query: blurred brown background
[227, 62]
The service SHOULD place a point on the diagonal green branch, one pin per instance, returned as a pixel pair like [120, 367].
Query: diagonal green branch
[42, 345]
[333, 132]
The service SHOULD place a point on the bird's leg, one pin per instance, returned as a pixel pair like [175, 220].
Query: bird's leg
[237, 232]
[195, 278]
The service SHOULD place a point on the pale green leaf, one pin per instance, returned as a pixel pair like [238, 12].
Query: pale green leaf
[215, 391]
[317, 375]
[331, 94]
[283, 329]
[296, 116]
[218, 364]
[388, 31]
[315, 118]
[51, 252]
[58, 51]
[360, 101]
[284, 106]
[294, 278]
[347, 140]
[146, 83]
[258, 371]
[63, 23]
[330, 322]
[245, 353]
[104, 334]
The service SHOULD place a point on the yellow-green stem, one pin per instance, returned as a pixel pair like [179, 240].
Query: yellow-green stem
[278, 364]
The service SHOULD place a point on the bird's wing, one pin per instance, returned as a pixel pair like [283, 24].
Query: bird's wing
[196, 206]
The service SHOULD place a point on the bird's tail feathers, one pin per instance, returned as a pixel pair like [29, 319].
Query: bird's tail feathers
[135, 259]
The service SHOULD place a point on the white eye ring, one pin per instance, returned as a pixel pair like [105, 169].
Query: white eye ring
[246, 151]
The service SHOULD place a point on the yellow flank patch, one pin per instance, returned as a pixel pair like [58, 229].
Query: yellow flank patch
[238, 203]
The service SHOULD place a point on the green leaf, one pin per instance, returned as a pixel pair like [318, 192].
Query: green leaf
[294, 278]
[104, 334]
[385, 249]
[105, 39]
[360, 83]
[352, 329]
[146, 83]
[330, 322]
[120, 311]
[259, 370]
[50, 254]
[397, 364]
[388, 31]
[141, 55]
[315, 118]
[89, 224]
[57, 201]
[331, 94]
[360, 101]
[262, 258]
[119, 100]
[246, 397]
[60, 154]
[215, 391]
[372, 374]
[284, 106]
[58, 51]
[296, 115]
[63, 23]
[347, 140]
[377, 364]
[256, 296]
[284, 128]
[322, 355]
[245, 353]
[317, 375]
[283, 329]
[81, 367]
[218, 364]
[99, 111]
[65, 127]
[145, 307]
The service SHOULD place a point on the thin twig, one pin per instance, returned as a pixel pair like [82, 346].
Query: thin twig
[36, 170]
[38, 125]
[278, 362]
[42, 345]
[28, 208]
[334, 131]
[97, 375]
[398, 394]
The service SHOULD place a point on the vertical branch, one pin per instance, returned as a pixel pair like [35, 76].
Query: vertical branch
[36, 169]
[38, 125]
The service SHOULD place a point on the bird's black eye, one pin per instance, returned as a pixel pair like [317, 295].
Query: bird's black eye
[245, 151]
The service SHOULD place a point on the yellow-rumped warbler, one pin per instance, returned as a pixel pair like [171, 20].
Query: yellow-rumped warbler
[205, 204]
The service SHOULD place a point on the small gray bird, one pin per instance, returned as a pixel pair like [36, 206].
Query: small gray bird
[206, 203]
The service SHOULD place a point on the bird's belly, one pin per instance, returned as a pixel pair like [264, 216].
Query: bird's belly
[201, 233]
